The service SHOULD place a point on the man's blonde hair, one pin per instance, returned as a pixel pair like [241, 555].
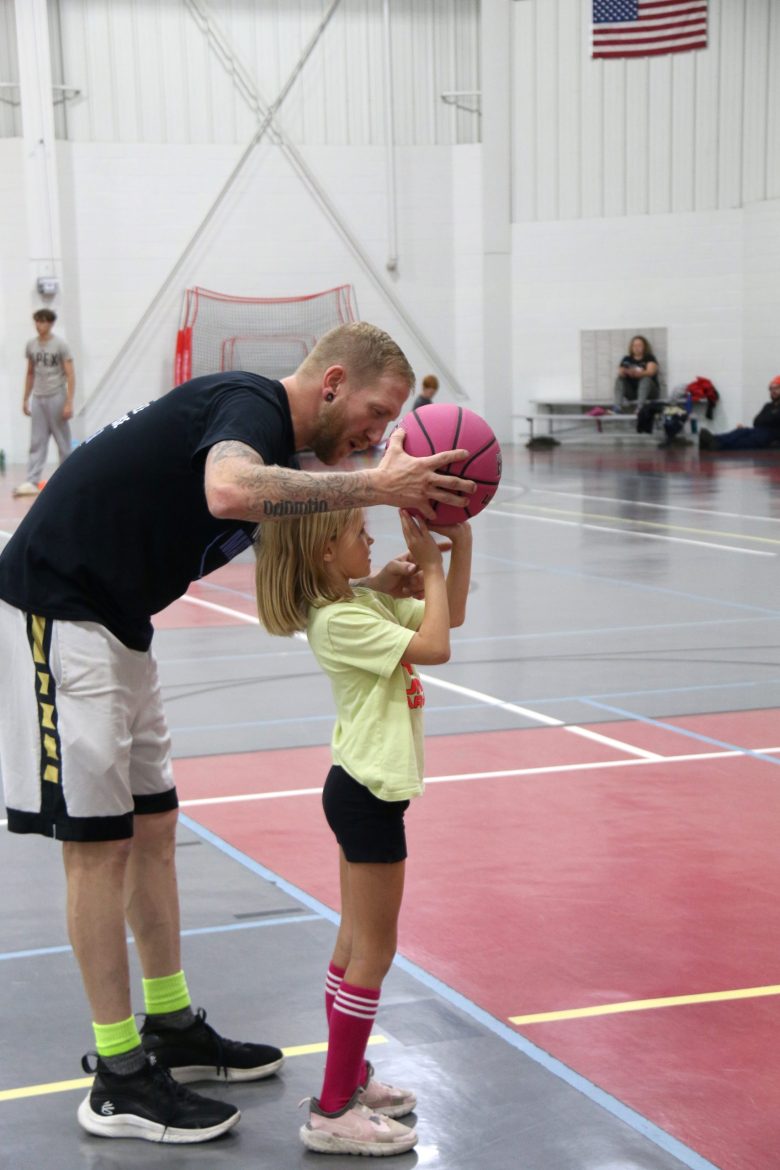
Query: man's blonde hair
[291, 573]
[366, 352]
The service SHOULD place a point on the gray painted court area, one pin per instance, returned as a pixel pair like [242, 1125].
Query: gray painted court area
[483, 1103]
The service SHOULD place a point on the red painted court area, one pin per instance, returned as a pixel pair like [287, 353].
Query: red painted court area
[208, 603]
[571, 889]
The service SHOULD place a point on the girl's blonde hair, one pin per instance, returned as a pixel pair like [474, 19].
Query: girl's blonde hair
[291, 573]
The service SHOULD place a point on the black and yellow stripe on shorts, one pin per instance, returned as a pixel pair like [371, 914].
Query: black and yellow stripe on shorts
[39, 637]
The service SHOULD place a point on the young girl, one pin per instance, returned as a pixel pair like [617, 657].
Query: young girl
[368, 644]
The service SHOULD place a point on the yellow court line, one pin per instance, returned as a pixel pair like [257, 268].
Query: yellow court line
[85, 1082]
[622, 521]
[643, 1005]
[44, 1090]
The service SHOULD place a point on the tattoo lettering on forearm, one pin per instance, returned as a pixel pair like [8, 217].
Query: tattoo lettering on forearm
[280, 491]
[293, 507]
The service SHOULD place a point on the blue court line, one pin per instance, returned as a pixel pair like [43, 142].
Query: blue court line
[725, 686]
[576, 1081]
[454, 707]
[684, 731]
[197, 659]
[651, 627]
[637, 585]
[599, 631]
[298, 719]
[580, 1084]
[286, 920]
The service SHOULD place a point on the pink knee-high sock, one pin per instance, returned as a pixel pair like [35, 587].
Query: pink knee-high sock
[332, 984]
[351, 1019]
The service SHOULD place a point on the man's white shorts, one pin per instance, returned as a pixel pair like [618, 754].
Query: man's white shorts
[83, 739]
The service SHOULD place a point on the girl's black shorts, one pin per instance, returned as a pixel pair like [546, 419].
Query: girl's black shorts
[367, 829]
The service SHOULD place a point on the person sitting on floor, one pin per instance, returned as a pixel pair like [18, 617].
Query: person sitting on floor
[637, 376]
[765, 431]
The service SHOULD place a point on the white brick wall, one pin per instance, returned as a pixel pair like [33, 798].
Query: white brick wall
[712, 278]
[684, 272]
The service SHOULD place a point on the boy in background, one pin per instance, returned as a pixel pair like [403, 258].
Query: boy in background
[430, 384]
[48, 398]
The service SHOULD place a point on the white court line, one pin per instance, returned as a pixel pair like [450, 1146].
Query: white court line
[204, 800]
[588, 733]
[511, 773]
[528, 713]
[751, 552]
[490, 700]
[506, 773]
[236, 613]
[649, 504]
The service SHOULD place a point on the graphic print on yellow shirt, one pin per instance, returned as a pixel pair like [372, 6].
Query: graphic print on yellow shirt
[415, 695]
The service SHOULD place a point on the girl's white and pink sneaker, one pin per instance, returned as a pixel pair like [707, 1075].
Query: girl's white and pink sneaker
[355, 1129]
[388, 1100]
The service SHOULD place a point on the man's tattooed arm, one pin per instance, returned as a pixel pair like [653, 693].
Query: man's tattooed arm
[240, 486]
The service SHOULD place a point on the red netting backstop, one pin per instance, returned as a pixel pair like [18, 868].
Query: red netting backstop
[267, 335]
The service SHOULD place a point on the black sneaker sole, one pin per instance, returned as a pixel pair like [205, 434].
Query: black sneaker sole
[129, 1125]
[207, 1072]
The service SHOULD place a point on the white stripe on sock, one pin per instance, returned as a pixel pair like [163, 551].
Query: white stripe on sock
[355, 1005]
[367, 1001]
[358, 1015]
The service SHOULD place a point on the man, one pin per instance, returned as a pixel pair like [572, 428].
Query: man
[765, 431]
[430, 384]
[160, 497]
[48, 398]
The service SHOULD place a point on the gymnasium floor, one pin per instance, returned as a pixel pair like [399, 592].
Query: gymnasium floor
[588, 969]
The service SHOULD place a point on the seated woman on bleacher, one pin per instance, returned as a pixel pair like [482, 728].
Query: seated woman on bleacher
[637, 376]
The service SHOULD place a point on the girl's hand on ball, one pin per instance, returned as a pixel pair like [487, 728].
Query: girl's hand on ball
[453, 532]
[423, 549]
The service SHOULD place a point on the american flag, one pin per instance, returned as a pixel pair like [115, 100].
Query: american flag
[648, 28]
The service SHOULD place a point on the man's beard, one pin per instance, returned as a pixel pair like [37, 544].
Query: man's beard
[330, 434]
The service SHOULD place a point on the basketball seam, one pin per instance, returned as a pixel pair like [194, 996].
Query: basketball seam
[477, 454]
[458, 425]
[425, 433]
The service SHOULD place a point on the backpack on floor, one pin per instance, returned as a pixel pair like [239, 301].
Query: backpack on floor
[674, 419]
[645, 417]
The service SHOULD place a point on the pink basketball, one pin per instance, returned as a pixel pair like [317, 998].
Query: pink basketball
[443, 426]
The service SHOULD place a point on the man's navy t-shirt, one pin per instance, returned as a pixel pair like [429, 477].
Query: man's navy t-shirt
[122, 527]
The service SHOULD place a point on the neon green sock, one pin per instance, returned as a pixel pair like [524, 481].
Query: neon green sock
[116, 1039]
[166, 995]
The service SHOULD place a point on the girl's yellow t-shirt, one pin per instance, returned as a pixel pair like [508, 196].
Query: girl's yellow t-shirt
[360, 643]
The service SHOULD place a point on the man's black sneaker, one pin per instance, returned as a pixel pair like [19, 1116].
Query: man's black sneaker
[708, 441]
[198, 1053]
[150, 1105]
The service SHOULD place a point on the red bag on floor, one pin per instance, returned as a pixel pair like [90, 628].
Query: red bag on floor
[702, 390]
